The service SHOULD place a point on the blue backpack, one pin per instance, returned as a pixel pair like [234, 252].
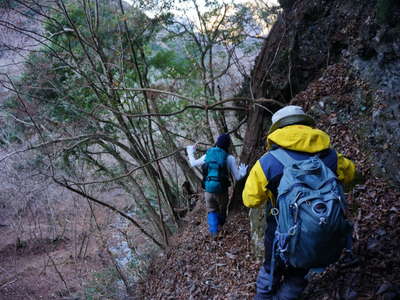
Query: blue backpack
[215, 171]
[311, 226]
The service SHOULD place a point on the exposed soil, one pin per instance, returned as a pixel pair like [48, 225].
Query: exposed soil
[197, 267]
[43, 257]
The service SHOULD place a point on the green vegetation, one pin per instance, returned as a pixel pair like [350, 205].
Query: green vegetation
[102, 285]
[7, 3]
[113, 95]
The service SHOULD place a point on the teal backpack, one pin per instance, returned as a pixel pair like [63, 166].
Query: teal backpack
[311, 226]
[215, 171]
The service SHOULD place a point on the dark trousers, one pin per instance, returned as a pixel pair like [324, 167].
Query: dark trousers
[287, 283]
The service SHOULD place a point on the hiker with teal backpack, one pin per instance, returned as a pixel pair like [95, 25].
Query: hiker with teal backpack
[216, 165]
[301, 177]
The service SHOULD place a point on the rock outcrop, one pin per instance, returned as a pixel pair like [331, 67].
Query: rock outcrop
[310, 36]
[340, 60]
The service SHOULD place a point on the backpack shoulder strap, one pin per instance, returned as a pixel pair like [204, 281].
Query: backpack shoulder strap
[210, 154]
[283, 157]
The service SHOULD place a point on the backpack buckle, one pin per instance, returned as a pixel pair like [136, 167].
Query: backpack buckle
[292, 230]
[274, 211]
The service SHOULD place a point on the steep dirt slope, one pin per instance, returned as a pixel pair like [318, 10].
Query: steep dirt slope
[196, 267]
[374, 205]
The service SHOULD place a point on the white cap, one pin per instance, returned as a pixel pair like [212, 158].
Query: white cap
[287, 111]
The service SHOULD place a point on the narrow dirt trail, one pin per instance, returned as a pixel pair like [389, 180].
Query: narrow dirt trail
[195, 267]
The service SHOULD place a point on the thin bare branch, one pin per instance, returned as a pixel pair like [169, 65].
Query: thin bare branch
[129, 172]
[126, 216]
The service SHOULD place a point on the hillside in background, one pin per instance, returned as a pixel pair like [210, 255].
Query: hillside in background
[340, 60]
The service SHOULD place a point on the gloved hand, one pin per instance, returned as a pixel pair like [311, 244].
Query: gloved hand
[191, 149]
[242, 170]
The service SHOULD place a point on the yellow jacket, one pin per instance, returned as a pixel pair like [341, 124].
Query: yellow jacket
[297, 138]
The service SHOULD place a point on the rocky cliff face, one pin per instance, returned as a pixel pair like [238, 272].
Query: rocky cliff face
[341, 61]
[310, 36]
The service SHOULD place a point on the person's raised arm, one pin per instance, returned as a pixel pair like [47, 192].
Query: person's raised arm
[192, 161]
[238, 171]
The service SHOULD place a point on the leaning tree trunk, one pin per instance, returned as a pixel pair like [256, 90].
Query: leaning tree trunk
[258, 123]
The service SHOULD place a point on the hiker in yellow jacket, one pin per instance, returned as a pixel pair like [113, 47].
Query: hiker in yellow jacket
[293, 131]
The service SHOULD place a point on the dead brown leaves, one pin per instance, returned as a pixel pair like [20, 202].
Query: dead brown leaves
[335, 81]
[197, 267]
[374, 204]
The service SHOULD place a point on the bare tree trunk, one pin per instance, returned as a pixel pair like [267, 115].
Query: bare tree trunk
[252, 149]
